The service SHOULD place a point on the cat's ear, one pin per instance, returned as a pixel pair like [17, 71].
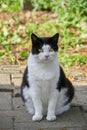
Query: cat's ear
[55, 38]
[34, 38]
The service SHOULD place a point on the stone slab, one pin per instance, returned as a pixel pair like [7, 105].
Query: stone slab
[17, 91]
[16, 79]
[10, 69]
[6, 129]
[73, 117]
[6, 122]
[77, 128]
[84, 108]
[5, 79]
[16, 75]
[17, 82]
[22, 68]
[80, 83]
[80, 98]
[18, 103]
[85, 115]
[5, 101]
[25, 126]
[80, 88]
[15, 113]
[73, 128]
[6, 88]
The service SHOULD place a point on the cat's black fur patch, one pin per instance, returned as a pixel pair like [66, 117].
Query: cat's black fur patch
[65, 83]
[25, 82]
[37, 43]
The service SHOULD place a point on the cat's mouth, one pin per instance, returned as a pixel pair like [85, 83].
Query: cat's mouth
[47, 57]
[47, 60]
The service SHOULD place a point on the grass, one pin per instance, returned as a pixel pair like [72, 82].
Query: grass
[69, 59]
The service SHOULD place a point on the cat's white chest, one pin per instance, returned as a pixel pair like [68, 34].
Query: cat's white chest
[44, 72]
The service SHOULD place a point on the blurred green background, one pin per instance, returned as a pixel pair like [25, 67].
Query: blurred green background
[19, 19]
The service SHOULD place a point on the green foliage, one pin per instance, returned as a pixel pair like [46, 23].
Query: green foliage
[24, 54]
[14, 39]
[42, 4]
[70, 59]
[32, 27]
[71, 14]
[2, 54]
[46, 26]
[71, 23]
[9, 5]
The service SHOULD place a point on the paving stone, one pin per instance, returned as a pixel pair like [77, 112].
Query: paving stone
[10, 69]
[80, 98]
[7, 129]
[80, 83]
[16, 75]
[80, 88]
[16, 79]
[45, 126]
[71, 118]
[22, 116]
[22, 68]
[17, 92]
[25, 126]
[1, 70]
[85, 115]
[5, 79]
[73, 128]
[19, 116]
[79, 76]
[5, 101]
[18, 103]
[52, 129]
[6, 122]
[16, 82]
[6, 88]
[84, 108]
[77, 128]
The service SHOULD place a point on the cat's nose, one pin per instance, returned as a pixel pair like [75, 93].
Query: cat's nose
[46, 56]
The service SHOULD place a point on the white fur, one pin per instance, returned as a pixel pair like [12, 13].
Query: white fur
[42, 97]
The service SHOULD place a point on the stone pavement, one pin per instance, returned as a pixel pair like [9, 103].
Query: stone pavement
[13, 115]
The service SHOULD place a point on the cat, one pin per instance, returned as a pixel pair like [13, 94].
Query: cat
[45, 89]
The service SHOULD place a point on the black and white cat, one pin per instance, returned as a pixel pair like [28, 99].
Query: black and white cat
[45, 90]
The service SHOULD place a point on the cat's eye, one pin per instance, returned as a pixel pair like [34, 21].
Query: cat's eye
[50, 49]
[40, 50]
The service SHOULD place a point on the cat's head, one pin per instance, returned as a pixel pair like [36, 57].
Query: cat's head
[45, 48]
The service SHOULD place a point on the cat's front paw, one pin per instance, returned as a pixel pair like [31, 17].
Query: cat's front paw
[37, 117]
[51, 117]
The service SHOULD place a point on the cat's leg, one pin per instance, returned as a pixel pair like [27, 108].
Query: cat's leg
[52, 106]
[38, 108]
[35, 95]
